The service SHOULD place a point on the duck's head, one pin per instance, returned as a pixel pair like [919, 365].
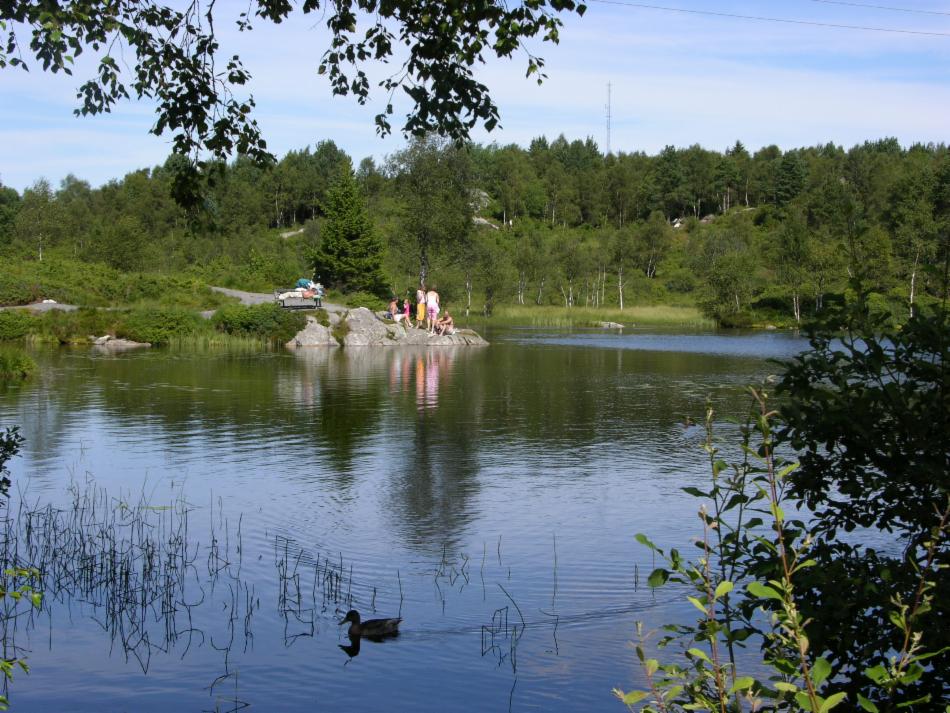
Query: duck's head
[352, 616]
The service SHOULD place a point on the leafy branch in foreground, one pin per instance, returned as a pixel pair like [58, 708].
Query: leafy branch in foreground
[746, 584]
[16, 584]
[176, 62]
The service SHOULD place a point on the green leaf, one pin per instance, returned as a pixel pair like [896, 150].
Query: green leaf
[722, 588]
[651, 666]
[742, 683]
[832, 701]
[820, 671]
[801, 698]
[699, 654]
[762, 591]
[867, 705]
[785, 686]
[645, 541]
[698, 604]
[634, 697]
[658, 577]
[876, 673]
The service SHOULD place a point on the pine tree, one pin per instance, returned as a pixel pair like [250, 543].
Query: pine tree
[350, 255]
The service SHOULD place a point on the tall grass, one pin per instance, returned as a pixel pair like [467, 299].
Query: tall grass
[637, 316]
[15, 365]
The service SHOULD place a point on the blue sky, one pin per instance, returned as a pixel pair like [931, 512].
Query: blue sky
[677, 78]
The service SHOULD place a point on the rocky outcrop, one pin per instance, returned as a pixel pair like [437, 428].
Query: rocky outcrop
[111, 344]
[361, 328]
[608, 325]
[364, 329]
[314, 335]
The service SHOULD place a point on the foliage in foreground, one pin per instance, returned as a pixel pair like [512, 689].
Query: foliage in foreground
[15, 583]
[846, 600]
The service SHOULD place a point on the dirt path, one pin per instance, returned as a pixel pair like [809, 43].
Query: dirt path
[246, 298]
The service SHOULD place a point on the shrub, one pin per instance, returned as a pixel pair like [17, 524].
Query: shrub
[17, 291]
[14, 324]
[269, 322]
[158, 325]
[76, 326]
[735, 320]
[15, 365]
[365, 299]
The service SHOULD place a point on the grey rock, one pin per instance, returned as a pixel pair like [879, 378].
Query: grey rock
[608, 325]
[114, 345]
[365, 329]
[313, 335]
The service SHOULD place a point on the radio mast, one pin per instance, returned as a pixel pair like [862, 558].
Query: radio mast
[608, 118]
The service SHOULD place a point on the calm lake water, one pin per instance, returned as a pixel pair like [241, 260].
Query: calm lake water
[205, 519]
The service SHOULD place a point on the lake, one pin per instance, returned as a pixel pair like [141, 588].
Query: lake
[204, 520]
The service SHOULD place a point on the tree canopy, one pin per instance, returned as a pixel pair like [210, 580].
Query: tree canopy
[176, 59]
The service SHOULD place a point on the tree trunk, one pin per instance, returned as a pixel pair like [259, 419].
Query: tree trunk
[913, 281]
[540, 289]
[468, 294]
[620, 285]
[423, 264]
[564, 295]
[796, 307]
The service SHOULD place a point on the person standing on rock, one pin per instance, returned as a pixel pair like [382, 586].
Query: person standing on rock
[432, 309]
[420, 306]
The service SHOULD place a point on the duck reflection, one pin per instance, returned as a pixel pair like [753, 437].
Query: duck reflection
[353, 649]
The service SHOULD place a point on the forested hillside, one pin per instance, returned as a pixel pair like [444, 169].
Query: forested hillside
[750, 237]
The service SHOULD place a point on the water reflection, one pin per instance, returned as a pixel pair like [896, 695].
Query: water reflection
[428, 482]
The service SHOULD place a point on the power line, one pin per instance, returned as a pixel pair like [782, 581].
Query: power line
[890, 8]
[761, 18]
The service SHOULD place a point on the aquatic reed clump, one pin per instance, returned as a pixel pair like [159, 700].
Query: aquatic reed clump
[16, 365]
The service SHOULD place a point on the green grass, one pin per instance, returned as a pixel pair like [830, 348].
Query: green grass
[71, 281]
[15, 365]
[639, 316]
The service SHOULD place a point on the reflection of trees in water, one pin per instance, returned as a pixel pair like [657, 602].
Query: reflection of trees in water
[435, 456]
[422, 416]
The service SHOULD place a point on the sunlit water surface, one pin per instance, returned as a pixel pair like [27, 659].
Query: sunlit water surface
[489, 496]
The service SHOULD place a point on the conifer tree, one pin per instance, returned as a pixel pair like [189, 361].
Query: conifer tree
[350, 255]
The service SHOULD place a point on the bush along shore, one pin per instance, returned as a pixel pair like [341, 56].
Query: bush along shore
[265, 324]
[260, 325]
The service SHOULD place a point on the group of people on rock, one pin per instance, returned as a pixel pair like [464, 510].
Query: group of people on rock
[428, 306]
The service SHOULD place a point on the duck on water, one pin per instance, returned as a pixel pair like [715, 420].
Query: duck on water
[371, 628]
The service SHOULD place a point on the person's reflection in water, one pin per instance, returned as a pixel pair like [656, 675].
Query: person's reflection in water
[430, 369]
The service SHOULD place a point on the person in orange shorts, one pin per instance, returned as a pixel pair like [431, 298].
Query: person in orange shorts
[420, 306]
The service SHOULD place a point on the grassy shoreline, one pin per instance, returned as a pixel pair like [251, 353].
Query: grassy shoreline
[568, 317]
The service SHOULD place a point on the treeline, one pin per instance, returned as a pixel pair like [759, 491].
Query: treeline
[749, 236]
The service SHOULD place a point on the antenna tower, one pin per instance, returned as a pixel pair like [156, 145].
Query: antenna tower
[608, 118]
